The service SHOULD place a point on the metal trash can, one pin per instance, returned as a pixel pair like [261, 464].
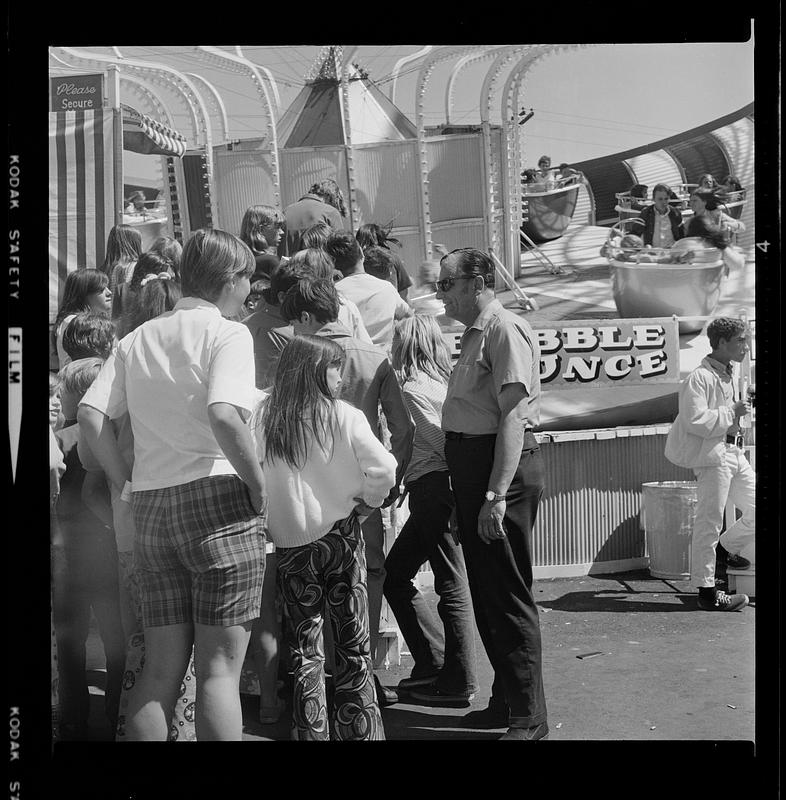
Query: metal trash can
[668, 512]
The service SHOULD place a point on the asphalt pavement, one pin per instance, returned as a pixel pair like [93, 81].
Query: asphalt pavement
[625, 657]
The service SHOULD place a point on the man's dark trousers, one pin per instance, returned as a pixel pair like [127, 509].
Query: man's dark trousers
[500, 573]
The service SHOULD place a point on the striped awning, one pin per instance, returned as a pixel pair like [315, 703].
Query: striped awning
[143, 134]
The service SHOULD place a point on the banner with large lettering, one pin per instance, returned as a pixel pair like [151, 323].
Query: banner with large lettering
[599, 353]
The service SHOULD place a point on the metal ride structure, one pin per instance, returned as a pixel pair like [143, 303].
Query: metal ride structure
[496, 216]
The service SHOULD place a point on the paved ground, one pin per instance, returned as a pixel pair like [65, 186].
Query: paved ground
[666, 670]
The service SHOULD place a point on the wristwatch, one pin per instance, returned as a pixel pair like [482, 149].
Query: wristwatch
[491, 497]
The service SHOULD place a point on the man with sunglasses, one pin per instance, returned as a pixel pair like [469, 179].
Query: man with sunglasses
[496, 470]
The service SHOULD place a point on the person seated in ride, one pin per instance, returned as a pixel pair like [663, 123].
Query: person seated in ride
[637, 193]
[662, 223]
[706, 203]
[544, 169]
[567, 173]
[707, 181]
[631, 247]
[708, 241]
[135, 204]
[528, 176]
[730, 184]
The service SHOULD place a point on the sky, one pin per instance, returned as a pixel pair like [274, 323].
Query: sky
[588, 102]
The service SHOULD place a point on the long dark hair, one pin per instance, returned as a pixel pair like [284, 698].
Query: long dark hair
[707, 230]
[123, 246]
[710, 197]
[156, 297]
[170, 249]
[371, 234]
[150, 263]
[301, 408]
[78, 286]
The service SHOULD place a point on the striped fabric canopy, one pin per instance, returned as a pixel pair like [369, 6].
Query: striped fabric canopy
[81, 193]
[143, 134]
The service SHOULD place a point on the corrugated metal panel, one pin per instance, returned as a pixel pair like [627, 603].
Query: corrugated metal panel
[455, 177]
[653, 168]
[380, 168]
[607, 179]
[738, 141]
[301, 169]
[242, 178]
[465, 233]
[698, 156]
[590, 507]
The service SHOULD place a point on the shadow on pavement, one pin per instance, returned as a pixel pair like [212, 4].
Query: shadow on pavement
[620, 601]
[403, 723]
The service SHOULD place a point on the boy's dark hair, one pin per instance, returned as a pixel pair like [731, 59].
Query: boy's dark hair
[89, 335]
[283, 276]
[724, 328]
[318, 296]
[662, 187]
[345, 251]
[379, 262]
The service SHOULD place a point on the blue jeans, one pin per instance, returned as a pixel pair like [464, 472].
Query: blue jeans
[426, 537]
[500, 573]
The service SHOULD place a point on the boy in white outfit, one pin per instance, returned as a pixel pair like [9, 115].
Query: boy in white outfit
[706, 437]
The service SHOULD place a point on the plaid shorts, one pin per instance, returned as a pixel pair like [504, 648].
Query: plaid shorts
[199, 553]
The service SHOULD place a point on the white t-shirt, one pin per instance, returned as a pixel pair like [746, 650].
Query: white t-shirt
[349, 316]
[165, 374]
[378, 302]
[303, 505]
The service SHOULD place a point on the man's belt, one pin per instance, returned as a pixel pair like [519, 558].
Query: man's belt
[737, 440]
[455, 435]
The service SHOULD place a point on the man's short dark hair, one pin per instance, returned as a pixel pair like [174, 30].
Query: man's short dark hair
[344, 249]
[378, 262]
[89, 335]
[283, 276]
[470, 261]
[725, 328]
[318, 296]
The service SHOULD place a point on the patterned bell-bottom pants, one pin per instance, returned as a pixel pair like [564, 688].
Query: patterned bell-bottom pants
[330, 574]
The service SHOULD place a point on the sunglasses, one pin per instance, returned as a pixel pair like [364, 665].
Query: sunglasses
[446, 284]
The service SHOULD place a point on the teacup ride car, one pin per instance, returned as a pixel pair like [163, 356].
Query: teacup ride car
[652, 282]
[548, 206]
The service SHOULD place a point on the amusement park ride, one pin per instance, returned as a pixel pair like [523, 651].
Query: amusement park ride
[458, 186]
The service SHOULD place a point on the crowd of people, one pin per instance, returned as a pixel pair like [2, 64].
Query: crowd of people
[231, 422]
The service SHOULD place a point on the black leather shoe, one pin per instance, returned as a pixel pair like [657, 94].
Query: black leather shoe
[491, 717]
[533, 734]
[385, 695]
[737, 562]
[431, 695]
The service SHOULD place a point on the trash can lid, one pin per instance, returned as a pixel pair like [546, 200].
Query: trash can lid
[669, 485]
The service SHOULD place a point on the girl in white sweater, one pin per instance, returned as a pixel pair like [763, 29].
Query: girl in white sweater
[325, 471]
